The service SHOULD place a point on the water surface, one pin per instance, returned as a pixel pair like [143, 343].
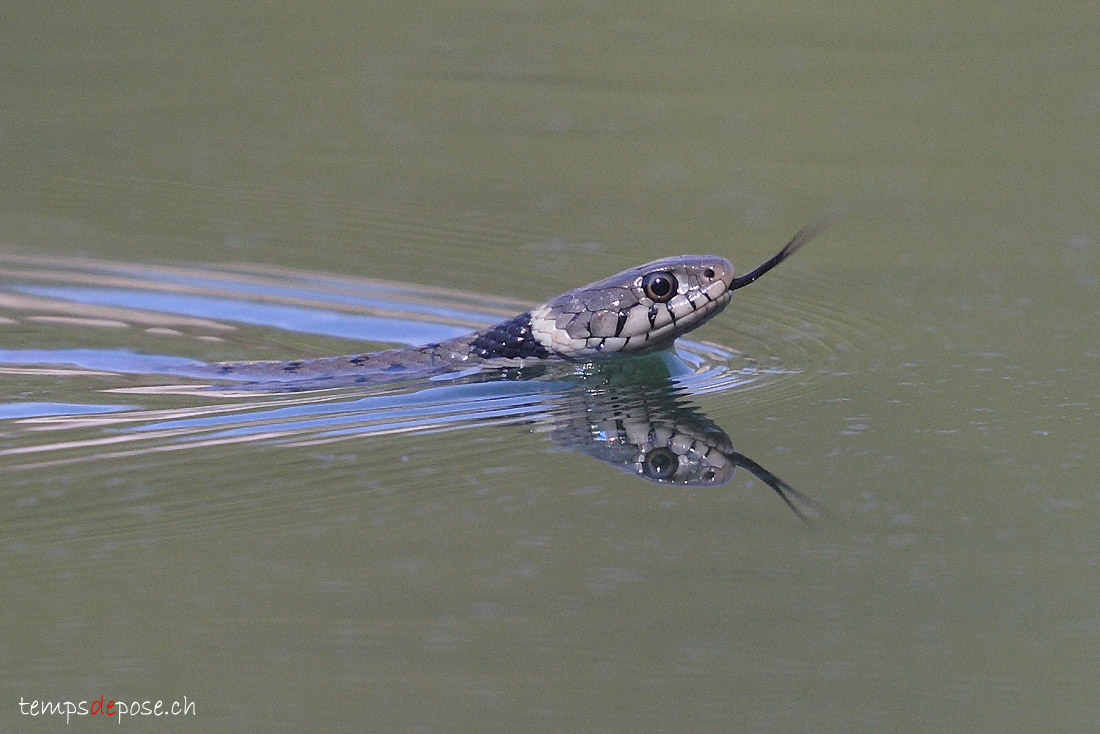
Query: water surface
[194, 184]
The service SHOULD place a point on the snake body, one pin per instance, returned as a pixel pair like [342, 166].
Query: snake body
[639, 310]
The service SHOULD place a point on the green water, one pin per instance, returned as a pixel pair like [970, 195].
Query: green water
[940, 337]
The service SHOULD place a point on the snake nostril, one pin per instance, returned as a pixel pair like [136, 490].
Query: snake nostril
[708, 273]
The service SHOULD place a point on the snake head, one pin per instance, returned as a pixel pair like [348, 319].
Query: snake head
[639, 310]
[645, 308]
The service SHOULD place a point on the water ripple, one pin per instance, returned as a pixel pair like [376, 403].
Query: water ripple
[88, 399]
[782, 342]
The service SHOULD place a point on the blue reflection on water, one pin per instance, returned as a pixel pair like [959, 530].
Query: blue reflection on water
[433, 406]
[327, 295]
[113, 360]
[291, 318]
[37, 410]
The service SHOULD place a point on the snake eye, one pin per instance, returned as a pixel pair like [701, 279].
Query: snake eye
[660, 463]
[660, 286]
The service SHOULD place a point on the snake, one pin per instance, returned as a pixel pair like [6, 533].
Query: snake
[638, 311]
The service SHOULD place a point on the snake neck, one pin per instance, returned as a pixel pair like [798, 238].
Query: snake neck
[511, 339]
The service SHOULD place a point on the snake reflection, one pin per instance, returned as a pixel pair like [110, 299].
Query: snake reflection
[653, 432]
[631, 414]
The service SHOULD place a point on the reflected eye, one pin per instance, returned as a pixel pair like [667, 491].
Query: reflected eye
[660, 463]
[659, 286]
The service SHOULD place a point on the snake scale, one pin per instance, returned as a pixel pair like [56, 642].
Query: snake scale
[640, 310]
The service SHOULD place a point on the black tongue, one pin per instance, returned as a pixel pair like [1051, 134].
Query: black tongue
[807, 233]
